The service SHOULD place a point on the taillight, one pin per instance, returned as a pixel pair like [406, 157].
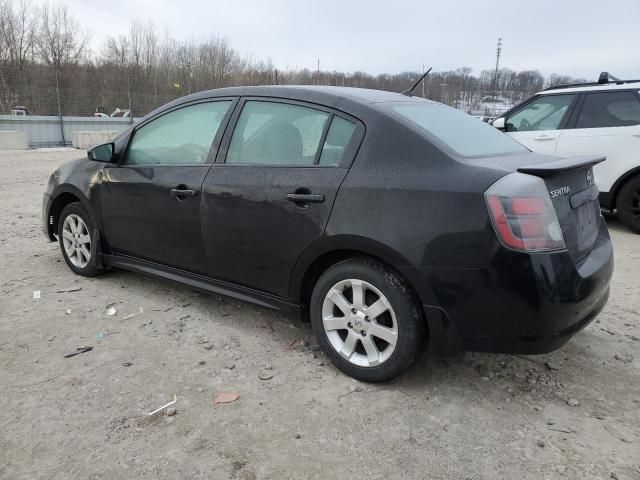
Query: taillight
[523, 215]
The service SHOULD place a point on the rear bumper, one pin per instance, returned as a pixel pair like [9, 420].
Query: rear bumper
[517, 302]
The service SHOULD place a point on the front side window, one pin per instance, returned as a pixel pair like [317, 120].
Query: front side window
[180, 137]
[609, 109]
[270, 133]
[465, 135]
[543, 113]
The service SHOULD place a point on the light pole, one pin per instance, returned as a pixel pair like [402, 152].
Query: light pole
[442, 85]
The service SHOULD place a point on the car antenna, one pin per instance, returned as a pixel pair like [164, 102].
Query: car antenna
[409, 92]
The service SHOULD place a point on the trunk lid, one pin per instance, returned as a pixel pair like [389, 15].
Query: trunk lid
[574, 196]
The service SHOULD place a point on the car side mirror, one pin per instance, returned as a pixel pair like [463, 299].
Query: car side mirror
[102, 153]
[499, 123]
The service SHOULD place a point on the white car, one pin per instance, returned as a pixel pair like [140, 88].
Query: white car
[588, 118]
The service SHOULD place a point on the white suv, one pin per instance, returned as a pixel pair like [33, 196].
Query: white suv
[588, 118]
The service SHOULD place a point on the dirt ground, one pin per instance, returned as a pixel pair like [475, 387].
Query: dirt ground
[477, 416]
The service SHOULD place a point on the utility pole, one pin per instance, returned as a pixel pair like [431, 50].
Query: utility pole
[495, 75]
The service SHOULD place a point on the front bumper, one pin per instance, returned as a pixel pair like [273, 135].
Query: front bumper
[46, 223]
[517, 302]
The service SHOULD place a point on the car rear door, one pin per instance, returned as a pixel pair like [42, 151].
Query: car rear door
[151, 201]
[539, 122]
[270, 193]
[606, 123]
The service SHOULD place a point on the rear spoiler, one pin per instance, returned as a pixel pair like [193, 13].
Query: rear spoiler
[546, 169]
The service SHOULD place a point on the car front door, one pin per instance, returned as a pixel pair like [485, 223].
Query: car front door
[607, 123]
[151, 200]
[538, 123]
[269, 195]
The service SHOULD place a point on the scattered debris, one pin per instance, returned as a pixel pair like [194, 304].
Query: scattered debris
[268, 366]
[36, 294]
[170, 412]
[540, 443]
[131, 315]
[202, 362]
[608, 331]
[101, 335]
[562, 430]
[229, 366]
[127, 364]
[353, 390]
[78, 351]
[208, 346]
[226, 397]
[175, 399]
[68, 311]
[200, 389]
[111, 310]
[297, 436]
[572, 402]
[69, 290]
[624, 357]
[552, 365]
[617, 434]
[265, 376]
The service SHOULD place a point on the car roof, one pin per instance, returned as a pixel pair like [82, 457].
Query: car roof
[315, 93]
[592, 88]
[358, 102]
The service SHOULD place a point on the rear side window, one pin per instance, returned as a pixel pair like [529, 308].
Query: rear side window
[543, 113]
[180, 137]
[465, 135]
[609, 109]
[338, 137]
[270, 133]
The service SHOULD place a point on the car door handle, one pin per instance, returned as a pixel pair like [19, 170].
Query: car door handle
[178, 192]
[544, 137]
[305, 197]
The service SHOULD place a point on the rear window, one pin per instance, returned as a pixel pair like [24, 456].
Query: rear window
[465, 135]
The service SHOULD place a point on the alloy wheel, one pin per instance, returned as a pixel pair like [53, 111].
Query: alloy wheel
[76, 240]
[359, 322]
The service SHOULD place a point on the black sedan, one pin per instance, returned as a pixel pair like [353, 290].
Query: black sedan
[387, 220]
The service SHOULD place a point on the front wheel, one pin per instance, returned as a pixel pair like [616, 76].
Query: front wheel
[628, 204]
[74, 235]
[367, 320]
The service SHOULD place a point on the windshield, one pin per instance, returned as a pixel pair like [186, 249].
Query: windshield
[465, 135]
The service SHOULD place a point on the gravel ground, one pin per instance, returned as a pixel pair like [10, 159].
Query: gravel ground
[572, 414]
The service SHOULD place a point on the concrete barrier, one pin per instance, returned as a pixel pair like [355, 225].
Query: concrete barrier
[86, 140]
[10, 140]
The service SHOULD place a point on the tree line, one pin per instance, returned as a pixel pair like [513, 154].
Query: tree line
[46, 66]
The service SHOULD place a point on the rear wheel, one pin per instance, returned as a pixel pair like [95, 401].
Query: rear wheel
[367, 320]
[74, 235]
[628, 204]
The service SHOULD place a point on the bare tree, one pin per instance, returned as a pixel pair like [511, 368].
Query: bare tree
[60, 40]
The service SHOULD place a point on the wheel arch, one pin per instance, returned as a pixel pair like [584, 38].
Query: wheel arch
[322, 255]
[63, 196]
[619, 183]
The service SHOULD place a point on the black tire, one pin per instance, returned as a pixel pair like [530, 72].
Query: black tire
[628, 204]
[408, 319]
[76, 208]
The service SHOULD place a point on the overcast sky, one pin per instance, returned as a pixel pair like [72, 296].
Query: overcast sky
[573, 37]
